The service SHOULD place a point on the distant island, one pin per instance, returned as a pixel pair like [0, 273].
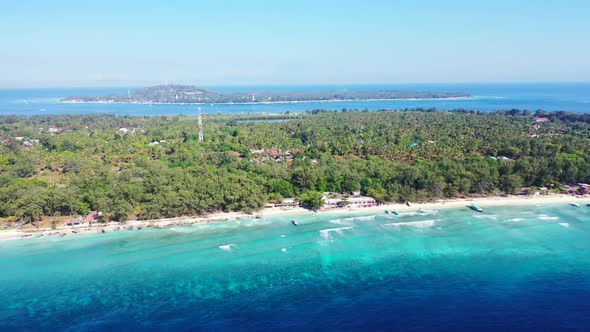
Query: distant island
[165, 94]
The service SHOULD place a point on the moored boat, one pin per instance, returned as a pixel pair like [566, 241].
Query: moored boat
[475, 208]
[294, 222]
[575, 204]
[395, 212]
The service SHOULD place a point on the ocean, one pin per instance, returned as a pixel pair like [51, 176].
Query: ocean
[507, 269]
[571, 97]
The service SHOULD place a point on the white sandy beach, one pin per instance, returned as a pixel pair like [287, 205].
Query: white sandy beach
[264, 102]
[286, 212]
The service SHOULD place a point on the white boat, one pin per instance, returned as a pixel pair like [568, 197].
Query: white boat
[575, 204]
[294, 222]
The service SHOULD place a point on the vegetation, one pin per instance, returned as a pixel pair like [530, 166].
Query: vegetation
[191, 94]
[152, 167]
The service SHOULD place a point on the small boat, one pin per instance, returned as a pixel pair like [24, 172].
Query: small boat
[294, 222]
[408, 204]
[575, 204]
[387, 212]
[396, 213]
[475, 208]
[588, 204]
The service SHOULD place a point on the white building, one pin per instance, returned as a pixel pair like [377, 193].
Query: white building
[359, 201]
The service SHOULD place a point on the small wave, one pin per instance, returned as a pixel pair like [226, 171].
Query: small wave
[181, 230]
[339, 222]
[325, 233]
[348, 221]
[254, 223]
[364, 218]
[564, 224]
[422, 224]
[412, 214]
[546, 217]
[486, 216]
[515, 219]
[227, 247]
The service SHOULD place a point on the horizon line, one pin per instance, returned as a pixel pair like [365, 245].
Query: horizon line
[83, 86]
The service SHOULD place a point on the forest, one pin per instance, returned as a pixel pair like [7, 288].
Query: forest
[193, 94]
[154, 167]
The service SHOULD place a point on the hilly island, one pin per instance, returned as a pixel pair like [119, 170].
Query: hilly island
[191, 94]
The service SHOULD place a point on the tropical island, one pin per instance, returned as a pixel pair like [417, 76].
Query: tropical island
[55, 170]
[165, 94]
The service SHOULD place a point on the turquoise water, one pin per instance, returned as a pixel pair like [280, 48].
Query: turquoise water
[572, 97]
[510, 268]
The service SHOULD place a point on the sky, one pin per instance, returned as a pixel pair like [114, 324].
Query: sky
[62, 43]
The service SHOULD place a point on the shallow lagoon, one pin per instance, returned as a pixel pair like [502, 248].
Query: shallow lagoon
[511, 268]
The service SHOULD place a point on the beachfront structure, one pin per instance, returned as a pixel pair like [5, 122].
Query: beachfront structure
[359, 201]
[287, 202]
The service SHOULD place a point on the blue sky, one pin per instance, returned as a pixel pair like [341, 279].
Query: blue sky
[224, 42]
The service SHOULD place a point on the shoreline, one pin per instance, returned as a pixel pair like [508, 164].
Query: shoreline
[263, 102]
[98, 228]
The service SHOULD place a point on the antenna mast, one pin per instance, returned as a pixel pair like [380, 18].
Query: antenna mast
[200, 122]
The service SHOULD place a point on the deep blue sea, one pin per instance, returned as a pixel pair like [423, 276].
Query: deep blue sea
[572, 97]
[507, 269]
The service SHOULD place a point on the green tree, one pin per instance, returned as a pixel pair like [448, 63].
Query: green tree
[24, 168]
[312, 200]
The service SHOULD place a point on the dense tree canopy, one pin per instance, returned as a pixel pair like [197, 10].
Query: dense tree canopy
[153, 167]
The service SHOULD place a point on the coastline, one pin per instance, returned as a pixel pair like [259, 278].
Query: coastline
[262, 102]
[98, 228]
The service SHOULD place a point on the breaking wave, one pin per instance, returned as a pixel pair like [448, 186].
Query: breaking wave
[349, 221]
[325, 233]
[546, 217]
[227, 247]
[422, 224]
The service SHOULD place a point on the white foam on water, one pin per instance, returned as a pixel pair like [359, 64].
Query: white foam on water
[339, 222]
[255, 223]
[227, 247]
[422, 224]
[564, 224]
[527, 212]
[181, 230]
[349, 221]
[365, 218]
[486, 216]
[283, 235]
[284, 250]
[325, 233]
[515, 219]
[546, 217]
[411, 214]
